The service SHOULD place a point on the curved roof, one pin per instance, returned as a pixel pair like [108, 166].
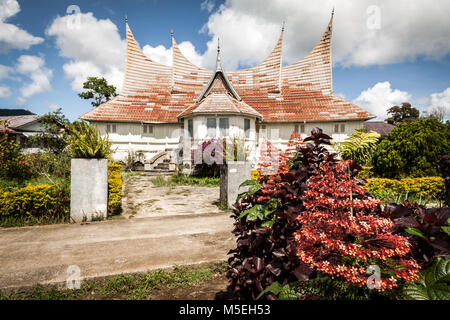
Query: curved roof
[301, 91]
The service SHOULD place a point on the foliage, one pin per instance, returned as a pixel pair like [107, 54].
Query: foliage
[433, 283]
[425, 188]
[97, 89]
[14, 165]
[54, 137]
[426, 229]
[87, 142]
[114, 188]
[50, 165]
[405, 113]
[359, 146]
[208, 168]
[366, 173]
[133, 157]
[444, 167]
[34, 201]
[340, 236]
[412, 149]
[266, 218]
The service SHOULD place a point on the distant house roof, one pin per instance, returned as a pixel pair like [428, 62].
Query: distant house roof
[14, 112]
[381, 127]
[16, 122]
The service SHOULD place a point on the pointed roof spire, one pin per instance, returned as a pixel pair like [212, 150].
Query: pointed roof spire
[126, 19]
[283, 26]
[171, 33]
[218, 60]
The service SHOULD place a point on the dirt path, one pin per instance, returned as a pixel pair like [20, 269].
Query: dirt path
[187, 229]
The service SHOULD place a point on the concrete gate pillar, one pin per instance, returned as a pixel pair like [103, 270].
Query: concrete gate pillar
[88, 189]
[232, 175]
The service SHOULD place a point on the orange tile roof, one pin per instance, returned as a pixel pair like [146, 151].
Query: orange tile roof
[302, 91]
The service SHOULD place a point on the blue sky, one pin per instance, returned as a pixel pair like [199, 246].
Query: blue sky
[398, 51]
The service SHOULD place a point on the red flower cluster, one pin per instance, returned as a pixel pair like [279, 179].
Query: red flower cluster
[273, 164]
[339, 235]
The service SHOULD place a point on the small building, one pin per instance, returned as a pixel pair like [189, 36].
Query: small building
[165, 109]
[22, 127]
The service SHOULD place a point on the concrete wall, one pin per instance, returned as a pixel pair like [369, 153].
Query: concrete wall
[89, 189]
[130, 137]
[236, 173]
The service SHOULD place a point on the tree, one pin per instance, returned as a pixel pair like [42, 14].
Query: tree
[404, 113]
[439, 113]
[359, 146]
[54, 137]
[99, 90]
[412, 149]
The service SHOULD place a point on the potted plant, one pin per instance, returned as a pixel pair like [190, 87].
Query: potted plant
[89, 173]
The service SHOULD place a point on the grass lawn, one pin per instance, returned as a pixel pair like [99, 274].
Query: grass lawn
[183, 282]
[180, 180]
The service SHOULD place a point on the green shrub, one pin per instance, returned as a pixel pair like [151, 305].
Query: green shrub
[425, 188]
[412, 149]
[13, 164]
[114, 188]
[359, 146]
[42, 200]
[86, 142]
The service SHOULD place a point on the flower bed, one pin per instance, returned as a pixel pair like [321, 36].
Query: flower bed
[114, 188]
[427, 187]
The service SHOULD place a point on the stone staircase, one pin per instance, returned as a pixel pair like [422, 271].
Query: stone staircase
[162, 168]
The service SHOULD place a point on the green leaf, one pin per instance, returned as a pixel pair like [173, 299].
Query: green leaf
[415, 232]
[274, 288]
[433, 284]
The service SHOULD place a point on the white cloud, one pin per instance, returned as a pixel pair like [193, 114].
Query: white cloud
[159, 54]
[40, 76]
[249, 29]
[438, 101]
[95, 48]
[381, 97]
[53, 107]
[12, 37]
[207, 5]
[5, 92]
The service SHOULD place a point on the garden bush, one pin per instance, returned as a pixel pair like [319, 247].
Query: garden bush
[323, 251]
[412, 149]
[42, 200]
[114, 188]
[425, 188]
[13, 164]
[266, 220]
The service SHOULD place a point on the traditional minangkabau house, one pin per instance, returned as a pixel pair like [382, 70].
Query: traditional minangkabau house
[164, 108]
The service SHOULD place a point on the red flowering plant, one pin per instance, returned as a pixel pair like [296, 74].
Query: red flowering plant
[266, 218]
[342, 237]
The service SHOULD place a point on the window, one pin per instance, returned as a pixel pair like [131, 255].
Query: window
[224, 125]
[299, 128]
[191, 128]
[211, 127]
[247, 128]
[339, 128]
[111, 128]
[148, 129]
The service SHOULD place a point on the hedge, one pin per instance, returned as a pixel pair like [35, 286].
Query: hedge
[114, 188]
[426, 187]
[34, 201]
